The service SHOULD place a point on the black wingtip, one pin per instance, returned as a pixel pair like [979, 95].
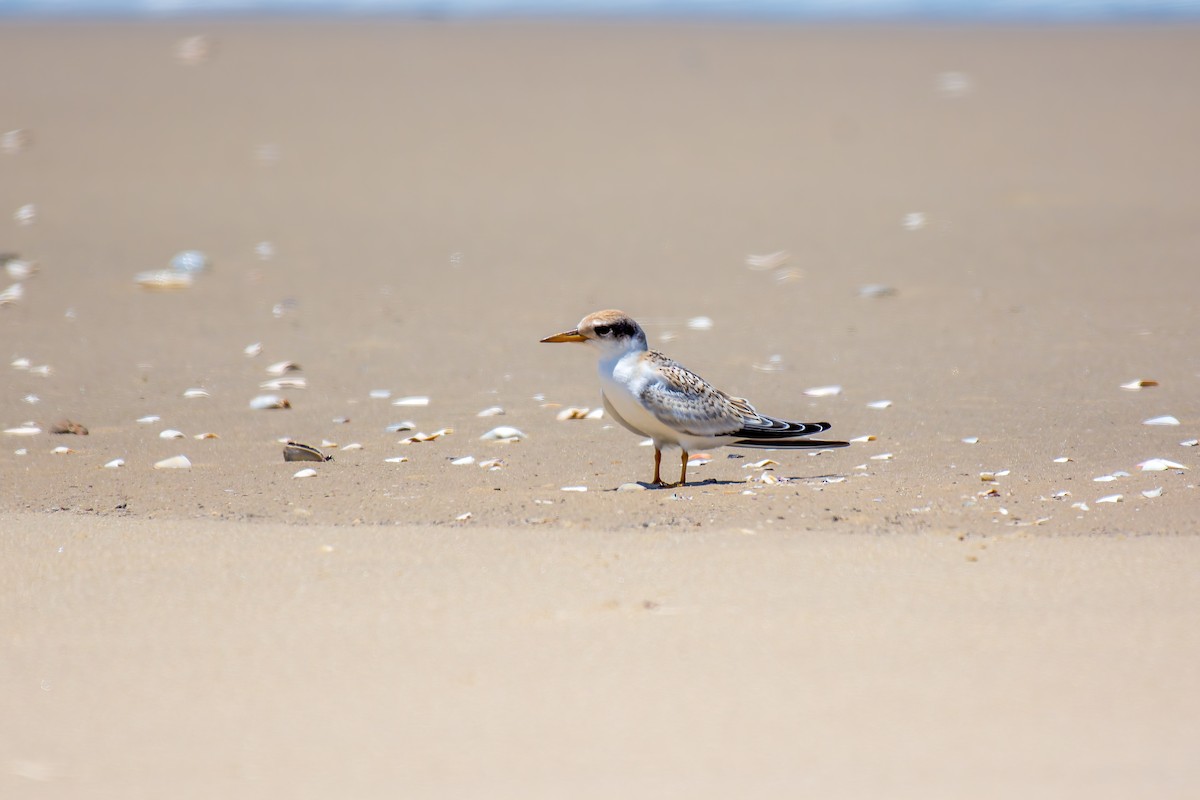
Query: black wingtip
[798, 444]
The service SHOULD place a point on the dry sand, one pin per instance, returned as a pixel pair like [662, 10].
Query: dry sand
[439, 197]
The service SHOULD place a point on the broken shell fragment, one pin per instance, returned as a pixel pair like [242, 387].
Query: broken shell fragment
[971, 440]
[574, 488]
[1152, 493]
[1062, 460]
[149, 419]
[194, 394]
[163, 280]
[494, 411]
[280, 384]
[1166, 419]
[352, 446]
[175, 462]
[766, 463]
[462, 462]
[269, 401]
[867, 438]
[414, 400]
[883, 457]
[308, 472]
[23, 430]
[823, 391]
[491, 463]
[18, 268]
[700, 323]
[396, 427]
[876, 290]
[171, 433]
[252, 350]
[1159, 465]
[116, 462]
[768, 261]
[62, 451]
[571, 412]
[504, 433]
[190, 261]
[281, 368]
[15, 141]
[12, 294]
[295, 451]
[396, 459]
[206, 435]
[1190, 443]
[67, 426]
[1112, 498]
[1138, 385]
[427, 437]
[463, 517]
[880, 404]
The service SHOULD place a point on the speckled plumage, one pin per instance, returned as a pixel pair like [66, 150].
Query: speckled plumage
[655, 396]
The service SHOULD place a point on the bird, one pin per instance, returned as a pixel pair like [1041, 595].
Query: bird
[658, 398]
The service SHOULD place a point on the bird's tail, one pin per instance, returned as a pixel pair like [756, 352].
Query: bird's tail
[794, 444]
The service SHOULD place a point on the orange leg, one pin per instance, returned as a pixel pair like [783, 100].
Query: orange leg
[683, 469]
[657, 463]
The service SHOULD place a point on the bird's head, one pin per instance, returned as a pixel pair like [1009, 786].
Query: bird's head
[607, 331]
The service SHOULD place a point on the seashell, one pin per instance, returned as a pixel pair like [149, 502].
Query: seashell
[193, 50]
[396, 427]
[32, 399]
[15, 141]
[646, 443]
[992, 492]
[1163, 420]
[971, 440]
[1002, 473]
[352, 446]
[12, 294]
[876, 290]
[193, 394]
[788, 276]
[699, 459]
[115, 463]
[463, 517]
[396, 459]
[328, 443]
[987, 477]
[1104, 479]
[44, 370]
[1062, 460]
[341, 420]
[494, 411]
[62, 451]
[20, 363]
[1060, 494]
[491, 463]
[1112, 498]
[190, 261]
[269, 401]
[379, 394]
[427, 437]
[867, 438]
[281, 368]
[1138, 385]
[163, 280]
[307, 472]
[295, 451]
[203, 436]
[1190, 443]
[279, 384]
[1080, 506]
[764, 464]
[574, 488]
[175, 462]
[914, 221]
[823, 391]
[252, 350]
[504, 433]
[631, 487]
[19, 269]
[148, 420]
[572, 412]
[880, 404]
[700, 323]
[415, 400]
[67, 426]
[171, 433]
[595, 413]
[26, 214]
[882, 457]
[462, 462]
[23, 430]
[768, 261]
[1152, 493]
[1159, 465]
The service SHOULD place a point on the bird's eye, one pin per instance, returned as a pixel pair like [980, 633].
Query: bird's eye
[603, 330]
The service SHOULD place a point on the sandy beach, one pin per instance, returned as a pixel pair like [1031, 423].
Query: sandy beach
[988, 232]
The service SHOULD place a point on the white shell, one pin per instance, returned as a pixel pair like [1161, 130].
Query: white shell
[307, 472]
[252, 350]
[15, 141]
[116, 462]
[44, 370]
[19, 269]
[20, 363]
[26, 214]
[1163, 420]
[352, 446]
[574, 488]
[1190, 443]
[463, 517]
[768, 261]
[823, 391]
[379, 394]
[267, 401]
[883, 457]
[1062, 460]
[880, 404]
[572, 412]
[396, 459]
[415, 400]
[1152, 493]
[175, 462]
[595, 413]
[193, 394]
[876, 290]
[61, 451]
[491, 463]
[462, 462]
[764, 464]
[700, 323]
[12, 294]
[203, 436]
[494, 411]
[1159, 465]
[150, 419]
[1138, 385]
[190, 261]
[1104, 479]
[631, 487]
[971, 440]
[1112, 498]
[867, 438]
[396, 427]
[279, 384]
[163, 280]
[504, 433]
[171, 433]
[23, 430]
[281, 368]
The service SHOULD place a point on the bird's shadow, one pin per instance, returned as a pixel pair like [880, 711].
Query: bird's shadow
[797, 479]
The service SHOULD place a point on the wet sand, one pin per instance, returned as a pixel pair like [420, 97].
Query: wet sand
[440, 196]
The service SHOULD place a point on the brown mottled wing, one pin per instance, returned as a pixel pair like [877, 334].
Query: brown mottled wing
[686, 402]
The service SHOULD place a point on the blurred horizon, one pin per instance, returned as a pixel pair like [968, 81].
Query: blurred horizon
[833, 10]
